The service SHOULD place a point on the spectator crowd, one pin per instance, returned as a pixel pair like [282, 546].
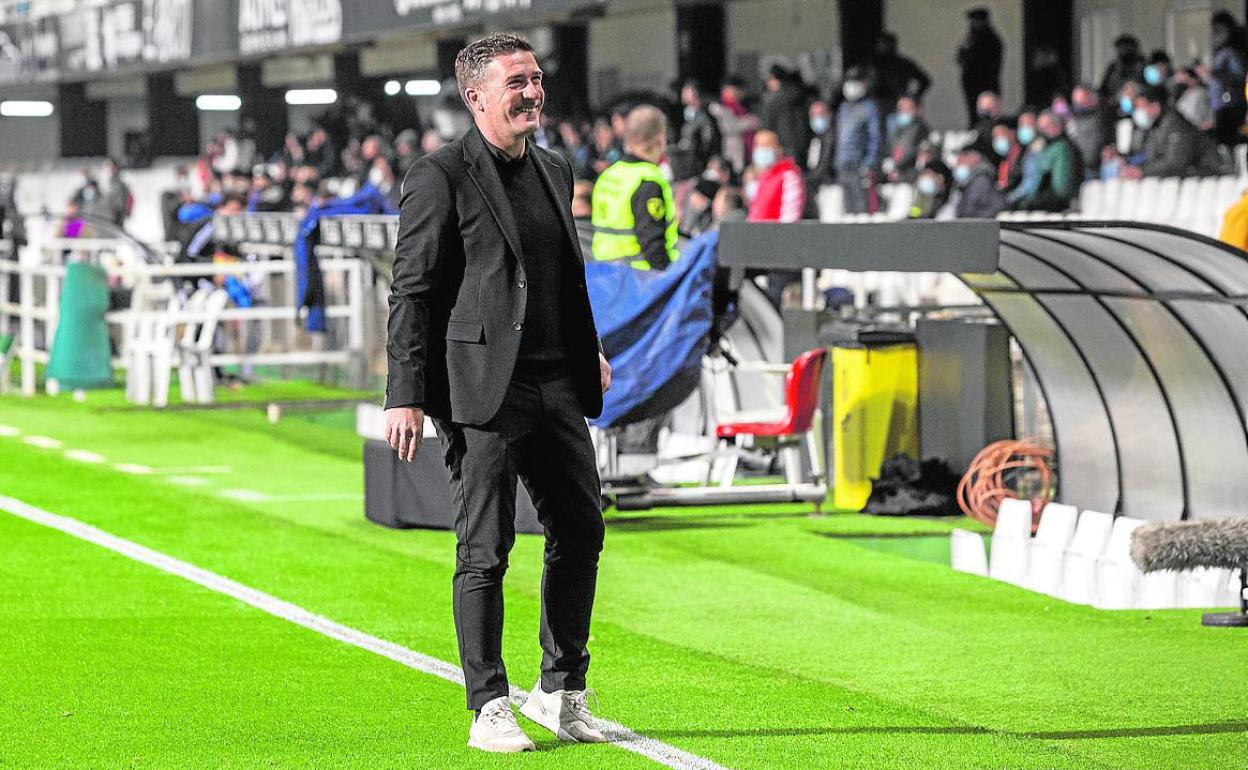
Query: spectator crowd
[765, 156]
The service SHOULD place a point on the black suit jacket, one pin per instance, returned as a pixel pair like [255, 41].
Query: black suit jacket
[458, 298]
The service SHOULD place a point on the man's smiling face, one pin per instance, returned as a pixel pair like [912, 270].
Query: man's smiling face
[509, 99]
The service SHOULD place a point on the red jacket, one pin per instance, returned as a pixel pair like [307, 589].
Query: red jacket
[781, 194]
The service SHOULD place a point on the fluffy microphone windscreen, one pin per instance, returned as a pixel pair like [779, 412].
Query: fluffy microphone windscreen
[1217, 543]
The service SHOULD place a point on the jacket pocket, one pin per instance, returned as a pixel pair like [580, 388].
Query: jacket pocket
[465, 331]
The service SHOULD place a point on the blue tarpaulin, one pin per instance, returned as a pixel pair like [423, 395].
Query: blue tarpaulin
[311, 291]
[655, 327]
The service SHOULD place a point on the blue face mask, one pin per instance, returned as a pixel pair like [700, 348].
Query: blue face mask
[820, 124]
[1001, 146]
[764, 157]
[927, 186]
[904, 119]
[962, 174]
[1152, 75]
[1125, 105]
[1026, 134]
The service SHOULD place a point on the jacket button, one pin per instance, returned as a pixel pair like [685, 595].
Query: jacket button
[517, 326]
[521, 283]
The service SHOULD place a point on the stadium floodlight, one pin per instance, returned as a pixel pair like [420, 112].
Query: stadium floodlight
[218, 102]
[423, 88]
[393, 87]
[21, 109]
[311, 96]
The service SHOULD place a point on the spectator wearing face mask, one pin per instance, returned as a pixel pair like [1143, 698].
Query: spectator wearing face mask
[978, 196]
[1174, 146]
[931, 192]
[1128, 144]
[906, 130]
[1059, 168]
[1008, 155]
[819, 166]
[1191, 98]
[859, 144]
[779, 195]
[699, 134]
[736, 124]
[1026, 180]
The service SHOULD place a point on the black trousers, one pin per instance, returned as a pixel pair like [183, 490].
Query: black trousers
[539, 436]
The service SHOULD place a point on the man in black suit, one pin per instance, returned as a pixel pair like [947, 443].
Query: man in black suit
[491, 335]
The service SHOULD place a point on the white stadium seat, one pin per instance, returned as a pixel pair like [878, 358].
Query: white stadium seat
[1091, 198]
[1011, 541]
[1079, 561]
[966, 552]
[1053, 536]
[1117, 577]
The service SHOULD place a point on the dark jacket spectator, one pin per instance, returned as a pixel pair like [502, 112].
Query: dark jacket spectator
[784, 108]
[699, 134]
[1088, 128]
[979, 197]
[822, 148]
[979, 56]
[1226, 78]
[1129, 65]
[1174, 147]
[906, 132]
[895, 75]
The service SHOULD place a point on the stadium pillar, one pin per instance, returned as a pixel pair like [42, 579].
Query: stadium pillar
[1046, 24]
[84, 123]
[700, 44]
[264, 108]
[567, 91]
[862, 21]
[175, 121]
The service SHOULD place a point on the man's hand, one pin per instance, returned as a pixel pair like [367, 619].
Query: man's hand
[604, 372]
[405, 425]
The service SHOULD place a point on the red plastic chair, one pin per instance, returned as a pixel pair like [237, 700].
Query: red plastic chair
[801, 400]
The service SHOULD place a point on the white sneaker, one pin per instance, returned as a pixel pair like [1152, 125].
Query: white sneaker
[565, 713]
[495, 729]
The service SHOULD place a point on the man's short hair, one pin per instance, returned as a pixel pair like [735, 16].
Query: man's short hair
[644, 124]
[472, 60]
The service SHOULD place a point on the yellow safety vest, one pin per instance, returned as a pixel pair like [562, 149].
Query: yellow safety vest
[615, 235]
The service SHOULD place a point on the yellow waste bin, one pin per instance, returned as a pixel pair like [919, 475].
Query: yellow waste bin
[875, 415]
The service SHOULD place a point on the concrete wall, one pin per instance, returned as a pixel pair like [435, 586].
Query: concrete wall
[1157, 23]
[930, 32]
[632, 47]
[23, 139]
[803, 33]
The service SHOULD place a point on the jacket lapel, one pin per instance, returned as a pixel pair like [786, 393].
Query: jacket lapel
[561, 202]
[485, 176]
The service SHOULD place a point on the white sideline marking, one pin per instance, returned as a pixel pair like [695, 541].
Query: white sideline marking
[9, 430]
[83, 456]
[43, 442]
[252, 496]
[147, 470]
[620, 735]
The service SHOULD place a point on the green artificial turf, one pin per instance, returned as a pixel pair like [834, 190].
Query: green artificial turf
[757, 637]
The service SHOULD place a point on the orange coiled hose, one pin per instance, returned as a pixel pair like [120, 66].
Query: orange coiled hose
[999, 471]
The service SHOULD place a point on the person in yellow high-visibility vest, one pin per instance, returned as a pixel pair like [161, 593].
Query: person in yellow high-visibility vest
[634, 214]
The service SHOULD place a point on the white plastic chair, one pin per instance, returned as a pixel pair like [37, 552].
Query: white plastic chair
[1189, 198]
[1129, 199]
[1158, 591]
[1053, 536]
[1117, 577]
[1160, 206]
[1079, 561]
[1111, 195]
[831, 201]
[149, 341]
[899, 201]
[195, 381]
[1092, 198]
[966, 552]
[1203, 587]
[1011, 542]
